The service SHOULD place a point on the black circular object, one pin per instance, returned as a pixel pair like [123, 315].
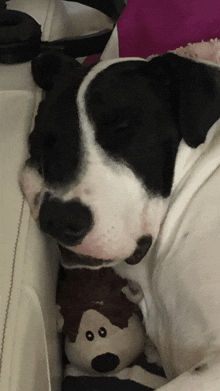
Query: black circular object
[102, 332]
[66, 221]
[105, 362]
[89, 335]
[20, 37]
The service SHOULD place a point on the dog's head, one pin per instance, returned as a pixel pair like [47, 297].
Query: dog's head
[103, 149]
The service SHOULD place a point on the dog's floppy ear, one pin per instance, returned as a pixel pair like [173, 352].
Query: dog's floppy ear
[48, 67]
[194, 88]
[199, 100]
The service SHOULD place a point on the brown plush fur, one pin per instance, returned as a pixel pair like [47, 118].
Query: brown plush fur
[84, 289]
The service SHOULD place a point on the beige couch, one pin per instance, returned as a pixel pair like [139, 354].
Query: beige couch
[29, 349]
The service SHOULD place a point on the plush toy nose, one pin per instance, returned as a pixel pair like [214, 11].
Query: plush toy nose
[67, 222]
[105, 362]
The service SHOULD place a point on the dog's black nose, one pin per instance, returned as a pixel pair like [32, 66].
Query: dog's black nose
[105, 362]
[68, 222]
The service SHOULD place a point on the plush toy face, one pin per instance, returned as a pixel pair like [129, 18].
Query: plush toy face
[100, 347]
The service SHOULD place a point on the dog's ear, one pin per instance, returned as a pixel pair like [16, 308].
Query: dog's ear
[49, 67]
[199, 100]
[195, 92]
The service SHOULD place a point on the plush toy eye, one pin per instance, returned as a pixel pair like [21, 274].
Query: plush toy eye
[89, 335]
[102, 332]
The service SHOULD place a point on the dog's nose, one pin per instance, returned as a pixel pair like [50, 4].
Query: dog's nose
[67, 222]
[105, 362]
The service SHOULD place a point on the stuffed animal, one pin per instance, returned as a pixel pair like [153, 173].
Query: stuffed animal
[104, 333]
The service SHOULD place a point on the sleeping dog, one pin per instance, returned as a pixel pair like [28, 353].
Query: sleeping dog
[124, 172]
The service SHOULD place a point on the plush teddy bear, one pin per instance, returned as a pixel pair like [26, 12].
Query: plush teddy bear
[104, 332]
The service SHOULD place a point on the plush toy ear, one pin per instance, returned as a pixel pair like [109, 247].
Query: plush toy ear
[48, 67]
[199, 101]
[59, 319]
[133, 292]
[193, 89]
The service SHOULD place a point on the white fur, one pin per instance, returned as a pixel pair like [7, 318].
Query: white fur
[180, 276]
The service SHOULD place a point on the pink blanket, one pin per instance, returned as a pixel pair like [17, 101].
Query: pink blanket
[149, 27]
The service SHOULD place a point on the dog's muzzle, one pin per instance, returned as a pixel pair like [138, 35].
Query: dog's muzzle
[69, 222]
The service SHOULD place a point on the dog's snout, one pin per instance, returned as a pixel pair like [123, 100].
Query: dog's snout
[68, 222]
[105, 362]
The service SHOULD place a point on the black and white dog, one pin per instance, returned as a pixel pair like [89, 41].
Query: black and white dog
[124, 172]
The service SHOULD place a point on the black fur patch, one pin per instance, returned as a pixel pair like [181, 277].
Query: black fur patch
[55, 143]
[141, 111]
[134, 122]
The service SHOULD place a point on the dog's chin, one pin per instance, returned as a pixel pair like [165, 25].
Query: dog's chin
[70, 259]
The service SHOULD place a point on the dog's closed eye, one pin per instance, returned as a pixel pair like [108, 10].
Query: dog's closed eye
[114, 133]
[121, 128]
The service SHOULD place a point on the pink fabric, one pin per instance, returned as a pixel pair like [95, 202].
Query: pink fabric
[149, 27]
[92, 59]
[209, 51]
